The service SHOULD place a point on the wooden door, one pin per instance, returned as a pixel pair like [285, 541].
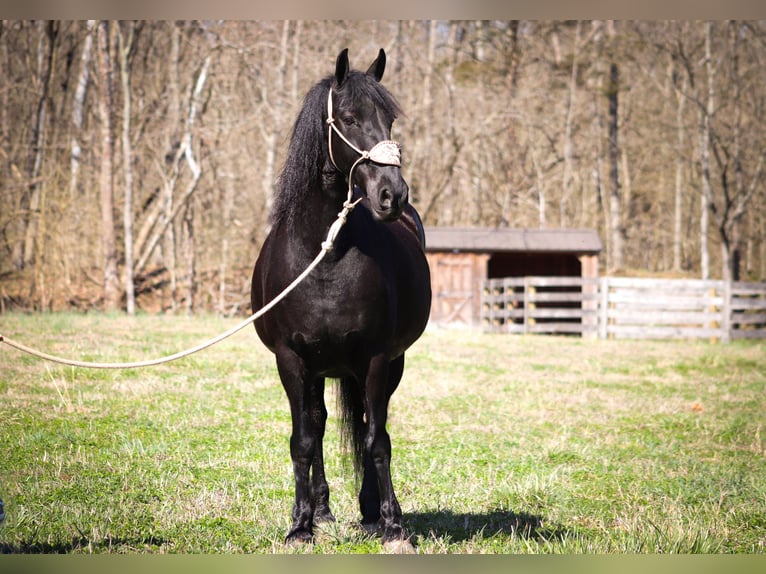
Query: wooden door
[455, 283]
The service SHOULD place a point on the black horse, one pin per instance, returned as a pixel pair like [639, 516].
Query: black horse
[357, 312]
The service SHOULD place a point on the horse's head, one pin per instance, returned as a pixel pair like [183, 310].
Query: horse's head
[360, 115]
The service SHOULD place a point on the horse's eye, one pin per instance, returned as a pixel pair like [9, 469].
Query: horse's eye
[348, 120]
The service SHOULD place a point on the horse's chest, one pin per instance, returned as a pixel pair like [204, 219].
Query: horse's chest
[341, 315]
[355, 303]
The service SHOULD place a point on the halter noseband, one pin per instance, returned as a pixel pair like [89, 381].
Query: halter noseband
[387, 152]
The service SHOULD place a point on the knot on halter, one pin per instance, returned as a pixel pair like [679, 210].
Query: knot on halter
[332, 233]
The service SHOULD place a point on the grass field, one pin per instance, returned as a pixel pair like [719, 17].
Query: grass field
[502, 444]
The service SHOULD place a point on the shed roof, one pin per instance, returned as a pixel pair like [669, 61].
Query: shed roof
[507, 239]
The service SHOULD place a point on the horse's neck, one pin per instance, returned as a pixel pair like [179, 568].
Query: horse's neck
[317, 211]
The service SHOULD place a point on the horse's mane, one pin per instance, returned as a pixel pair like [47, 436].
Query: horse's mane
[307, 152]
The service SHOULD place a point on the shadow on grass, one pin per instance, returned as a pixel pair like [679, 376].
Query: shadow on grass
[459, 527]
[77, 544]
[443, 524]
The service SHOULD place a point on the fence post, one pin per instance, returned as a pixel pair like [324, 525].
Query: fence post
[726, 328]
[710, 309]
[589, 307]
[604, 308]
[528, 306]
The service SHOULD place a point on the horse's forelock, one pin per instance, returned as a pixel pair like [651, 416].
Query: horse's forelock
[360, 85]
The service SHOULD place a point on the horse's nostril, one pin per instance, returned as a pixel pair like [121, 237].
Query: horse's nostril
[386, 198]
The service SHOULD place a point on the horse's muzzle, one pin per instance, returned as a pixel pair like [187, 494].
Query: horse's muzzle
[390, 201]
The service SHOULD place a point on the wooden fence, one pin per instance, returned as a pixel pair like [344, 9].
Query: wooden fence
[617, 307]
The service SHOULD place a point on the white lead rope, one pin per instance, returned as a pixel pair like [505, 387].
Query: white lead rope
[326, 247]
[386, 152]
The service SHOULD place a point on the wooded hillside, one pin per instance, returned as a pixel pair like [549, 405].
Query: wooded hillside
[137, 159]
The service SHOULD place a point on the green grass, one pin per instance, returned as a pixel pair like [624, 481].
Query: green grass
[502, 444]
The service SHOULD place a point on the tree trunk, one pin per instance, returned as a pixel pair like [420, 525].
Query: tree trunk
[191, 259]
[566, 187]
[126, 46]
[597, 127]
[706, 115]
[427, 104]
[5, 136]
[78, 103]
[30, 201]
[174, 112]
[513, 58]
[227, 209]
[106, 190]
[615, 199]
[297, 36]
[274, 123]
[679, 183]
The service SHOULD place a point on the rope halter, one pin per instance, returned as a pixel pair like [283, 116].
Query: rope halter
[387, 152]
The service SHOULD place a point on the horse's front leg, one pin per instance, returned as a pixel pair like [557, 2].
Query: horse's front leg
[382, 378]
[319, 487]
[303, 440]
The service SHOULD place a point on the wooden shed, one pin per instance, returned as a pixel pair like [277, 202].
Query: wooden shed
[463, 258]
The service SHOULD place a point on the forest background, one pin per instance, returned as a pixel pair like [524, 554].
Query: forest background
[138, 159]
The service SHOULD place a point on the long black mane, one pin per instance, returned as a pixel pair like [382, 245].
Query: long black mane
[306, 163]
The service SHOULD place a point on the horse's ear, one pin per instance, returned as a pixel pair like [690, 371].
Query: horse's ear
[341, 67]
[378, 66]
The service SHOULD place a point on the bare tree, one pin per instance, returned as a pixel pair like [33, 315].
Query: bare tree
[568, 123]
[126, 35]
[617, 231]
[504, 123]
[30, 200]
[729, 206]
[271, 121]
[78, 104]
[106, 181]
[184, 154]
[680, 98]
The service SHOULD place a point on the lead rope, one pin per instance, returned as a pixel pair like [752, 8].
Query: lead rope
[386, 152]
[326, 247]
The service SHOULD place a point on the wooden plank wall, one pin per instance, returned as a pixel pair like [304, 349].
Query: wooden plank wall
[748, 310]
[615, 307]
[540, 305]
[456, 287]
[662, 309]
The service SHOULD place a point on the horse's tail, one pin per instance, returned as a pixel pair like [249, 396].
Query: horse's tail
[351, 409]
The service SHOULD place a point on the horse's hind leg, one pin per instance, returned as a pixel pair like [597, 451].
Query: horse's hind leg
[320, 491]
[377, 499]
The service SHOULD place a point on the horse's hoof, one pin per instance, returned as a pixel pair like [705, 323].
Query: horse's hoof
[299, 536]
[371, 528]
[396, 541]
[399, 546]
[323, 515]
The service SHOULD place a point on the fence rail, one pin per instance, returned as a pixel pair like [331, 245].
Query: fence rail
[618, 307]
